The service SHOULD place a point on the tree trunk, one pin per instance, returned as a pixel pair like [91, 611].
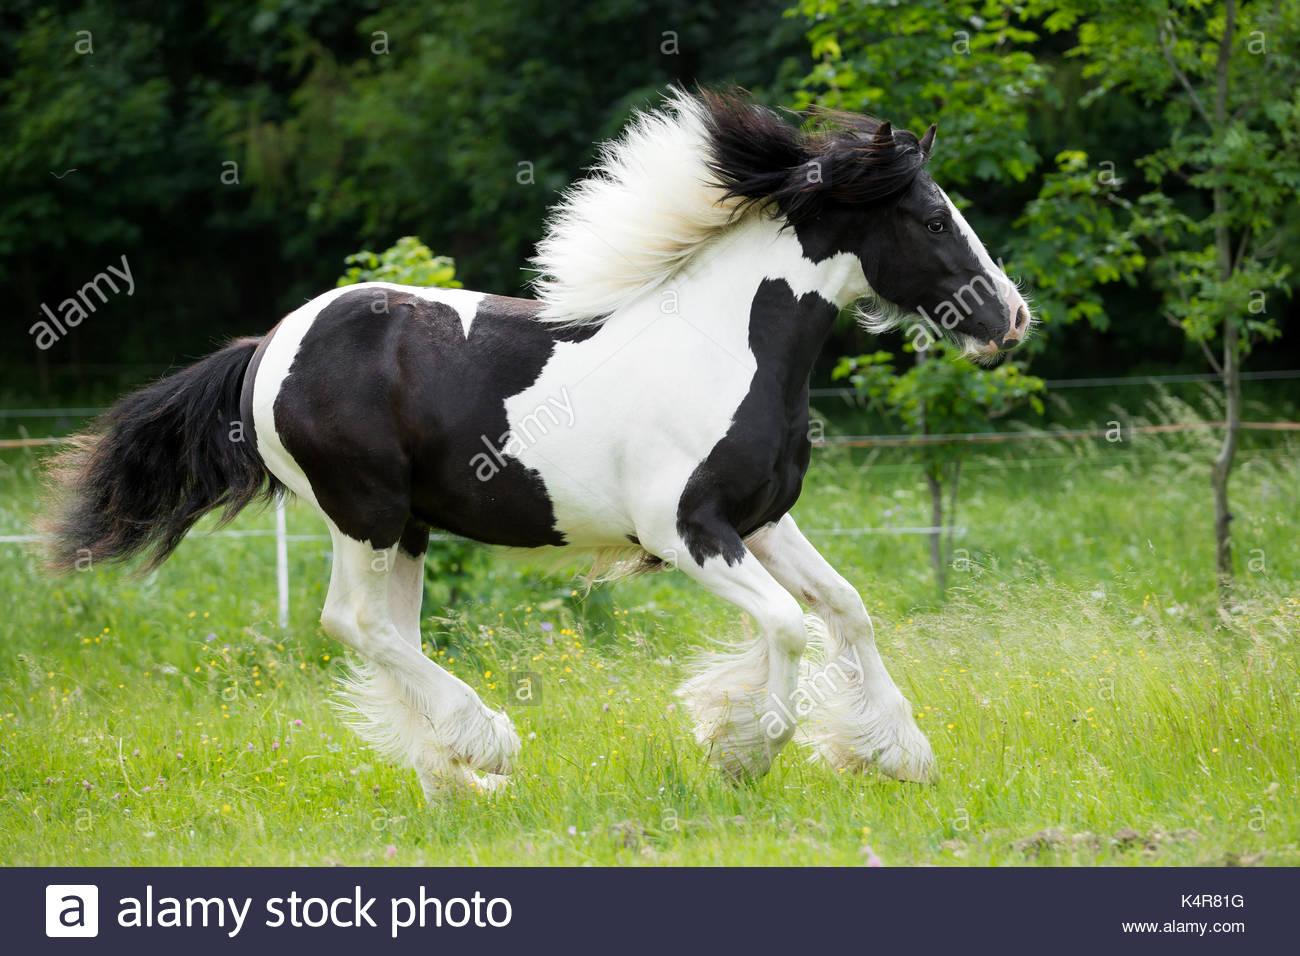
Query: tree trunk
[1222, 466]
[936, 528]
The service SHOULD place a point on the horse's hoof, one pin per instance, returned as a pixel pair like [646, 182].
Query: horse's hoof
[456, 779]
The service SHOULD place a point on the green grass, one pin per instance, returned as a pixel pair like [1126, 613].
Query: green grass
[1087, 700]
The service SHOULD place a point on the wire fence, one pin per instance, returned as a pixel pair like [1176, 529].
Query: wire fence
[1054, 384]
[283, 537]
[899, 441]
[837, 392]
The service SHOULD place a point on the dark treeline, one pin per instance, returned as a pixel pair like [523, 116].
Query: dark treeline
[228, 155]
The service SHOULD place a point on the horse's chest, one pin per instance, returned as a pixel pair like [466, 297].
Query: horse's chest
[664, 416]
[644, 401]
[755, 472]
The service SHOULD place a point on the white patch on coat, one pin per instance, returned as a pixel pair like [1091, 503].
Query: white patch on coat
[1006, 290]
[270, 376]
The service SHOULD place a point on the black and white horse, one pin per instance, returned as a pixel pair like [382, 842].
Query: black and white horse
[649, 407]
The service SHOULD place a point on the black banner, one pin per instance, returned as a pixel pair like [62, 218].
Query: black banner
[648, 910]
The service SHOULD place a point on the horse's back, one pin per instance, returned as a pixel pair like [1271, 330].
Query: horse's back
[385, 402]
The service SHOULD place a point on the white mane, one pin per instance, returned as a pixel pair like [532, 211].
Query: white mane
[648, 204]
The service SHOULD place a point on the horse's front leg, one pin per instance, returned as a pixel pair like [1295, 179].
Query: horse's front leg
[857, 715]
[742, 701]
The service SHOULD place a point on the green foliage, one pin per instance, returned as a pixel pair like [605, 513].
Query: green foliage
[1222, 188]
[406, 262]
[1073, 239]
[941, 395]
[1220, 196]
[966, 66]
[278, 136]
[296, 131]
[984, 73]
[64, 110]
[461, 120]
[971, 68]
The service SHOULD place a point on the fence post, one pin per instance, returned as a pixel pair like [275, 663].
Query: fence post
[281, 563]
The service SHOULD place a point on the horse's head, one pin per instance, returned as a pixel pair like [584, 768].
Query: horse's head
[921, 256]
[858, 186]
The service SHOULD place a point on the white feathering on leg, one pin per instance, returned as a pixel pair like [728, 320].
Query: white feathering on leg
[373, 704]
[728, 699]
[855, 722]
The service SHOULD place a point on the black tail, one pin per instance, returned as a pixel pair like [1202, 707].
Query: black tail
[155, 463]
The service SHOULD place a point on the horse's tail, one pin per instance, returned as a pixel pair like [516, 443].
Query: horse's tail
[154, 463]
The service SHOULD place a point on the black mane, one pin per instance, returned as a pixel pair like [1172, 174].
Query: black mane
[759, 157]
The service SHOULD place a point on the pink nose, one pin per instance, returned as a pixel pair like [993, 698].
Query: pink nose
[1019, 325]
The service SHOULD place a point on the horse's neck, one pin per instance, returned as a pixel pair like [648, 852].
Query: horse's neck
[754, 283]
[758, 246]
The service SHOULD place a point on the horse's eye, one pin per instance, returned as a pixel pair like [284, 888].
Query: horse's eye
[935, 225]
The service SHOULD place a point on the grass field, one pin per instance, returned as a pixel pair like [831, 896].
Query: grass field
[1087, 699]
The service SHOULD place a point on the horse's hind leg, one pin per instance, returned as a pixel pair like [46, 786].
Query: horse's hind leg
[406, 705]
[405, 595]
[857, 715]
[406, 585]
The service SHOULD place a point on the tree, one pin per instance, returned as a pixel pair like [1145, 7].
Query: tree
[968, 67]
[243, 149]
[938, 397]
[461, 121]
[1221, 191]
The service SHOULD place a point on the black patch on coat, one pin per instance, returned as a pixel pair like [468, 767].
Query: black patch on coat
[754, 474]
[393, 413]
[415, 538]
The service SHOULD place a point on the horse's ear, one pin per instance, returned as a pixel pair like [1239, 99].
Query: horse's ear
[927, 141]
[884, 135]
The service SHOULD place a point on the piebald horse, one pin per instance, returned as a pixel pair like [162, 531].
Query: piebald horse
[650, 407]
